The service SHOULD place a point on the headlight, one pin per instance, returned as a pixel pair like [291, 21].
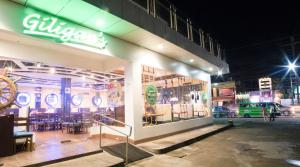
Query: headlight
[293, 110]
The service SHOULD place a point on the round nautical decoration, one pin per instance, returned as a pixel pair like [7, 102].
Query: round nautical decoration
[23, 99]
[8, 90]
[51, 100]
[76, 100]
[97, 101]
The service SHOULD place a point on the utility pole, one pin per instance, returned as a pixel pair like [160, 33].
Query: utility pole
[292, 39]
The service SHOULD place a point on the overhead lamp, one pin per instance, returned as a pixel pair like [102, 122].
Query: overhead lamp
[100, 23]
[220, 73]
[160, 46]
[92, 76]
[191, 60]
[210, 69]
[83, 77]
[52, 70]
[38, 65]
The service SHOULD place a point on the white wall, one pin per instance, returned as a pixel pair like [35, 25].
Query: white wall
[118, 53]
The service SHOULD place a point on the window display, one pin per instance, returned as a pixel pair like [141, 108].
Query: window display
[172, 97]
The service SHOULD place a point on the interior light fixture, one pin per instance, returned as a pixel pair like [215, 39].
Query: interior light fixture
[92, 76]
[210, 69]
[83, 77]
[191, 60]
[38, 65]
[160, 46]
[52, 70]
[100, 23]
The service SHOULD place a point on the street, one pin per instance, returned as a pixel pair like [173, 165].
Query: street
[252, 142]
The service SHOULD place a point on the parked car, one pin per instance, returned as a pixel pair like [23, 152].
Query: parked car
[222, 112]
[285, 110]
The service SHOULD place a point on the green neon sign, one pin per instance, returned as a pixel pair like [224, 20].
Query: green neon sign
[151, 94]
[62, 31]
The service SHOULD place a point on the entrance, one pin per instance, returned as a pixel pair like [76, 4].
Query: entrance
[62, 107]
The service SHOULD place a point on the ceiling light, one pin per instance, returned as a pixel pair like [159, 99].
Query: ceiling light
[220, 73]
[83, 77]
[92, 76]
[38, 65]
[100, 23]
[210, 69]
[52, 70]
[191, 60]
[160, 46]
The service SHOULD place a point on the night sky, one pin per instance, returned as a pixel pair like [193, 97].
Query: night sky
[254, 34]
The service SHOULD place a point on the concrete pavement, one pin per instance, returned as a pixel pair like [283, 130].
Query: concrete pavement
[252, 143]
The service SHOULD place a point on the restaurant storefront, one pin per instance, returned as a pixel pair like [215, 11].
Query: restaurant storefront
[66, 72]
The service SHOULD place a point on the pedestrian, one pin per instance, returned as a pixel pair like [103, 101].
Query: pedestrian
[264, 112]
[272, 113]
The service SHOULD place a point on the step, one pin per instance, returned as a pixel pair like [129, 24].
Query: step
[170, 143]
[101, 159]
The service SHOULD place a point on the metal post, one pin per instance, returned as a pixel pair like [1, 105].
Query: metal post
[175, 18]
[201, 38]
[191, 31]
[126, 151]
[294, 55]
[148, 6]
[154, 8]
[219, 50]
[292, 88]
[100, 139]
[171, 17]
[188, 28]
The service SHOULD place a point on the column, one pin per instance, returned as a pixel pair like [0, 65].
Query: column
[134, 101]
[65, 91]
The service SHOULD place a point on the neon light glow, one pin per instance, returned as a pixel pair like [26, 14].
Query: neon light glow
[61, 31]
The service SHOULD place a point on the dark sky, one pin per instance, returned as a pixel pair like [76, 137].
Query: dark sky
[252, 32]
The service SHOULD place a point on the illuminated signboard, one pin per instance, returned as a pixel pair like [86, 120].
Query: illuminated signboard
[61, 31]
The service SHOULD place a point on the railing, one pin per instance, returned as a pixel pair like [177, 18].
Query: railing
[166, 11]
[116, 130]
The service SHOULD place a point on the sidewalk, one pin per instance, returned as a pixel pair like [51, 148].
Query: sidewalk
[173, 142]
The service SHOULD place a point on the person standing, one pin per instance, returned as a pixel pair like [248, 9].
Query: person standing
[264, 112]
[272, 113]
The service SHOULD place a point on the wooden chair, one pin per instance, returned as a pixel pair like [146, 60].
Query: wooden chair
[23, 134]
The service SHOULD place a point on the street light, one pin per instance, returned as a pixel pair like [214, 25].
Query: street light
[291, 67]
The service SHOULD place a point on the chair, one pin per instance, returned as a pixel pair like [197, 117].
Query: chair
[23, 134]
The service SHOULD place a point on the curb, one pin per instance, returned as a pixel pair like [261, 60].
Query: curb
[190, 141]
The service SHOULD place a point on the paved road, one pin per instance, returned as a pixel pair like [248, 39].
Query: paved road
[252, 143]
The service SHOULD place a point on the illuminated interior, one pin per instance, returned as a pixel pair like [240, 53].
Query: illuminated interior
[45, 96]
[178, 97]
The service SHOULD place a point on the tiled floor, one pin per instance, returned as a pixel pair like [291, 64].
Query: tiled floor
[48, 146]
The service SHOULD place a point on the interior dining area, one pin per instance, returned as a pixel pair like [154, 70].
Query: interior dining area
[57, 109]
[171, 97]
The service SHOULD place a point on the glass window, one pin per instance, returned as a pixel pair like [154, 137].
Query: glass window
[171, 97]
